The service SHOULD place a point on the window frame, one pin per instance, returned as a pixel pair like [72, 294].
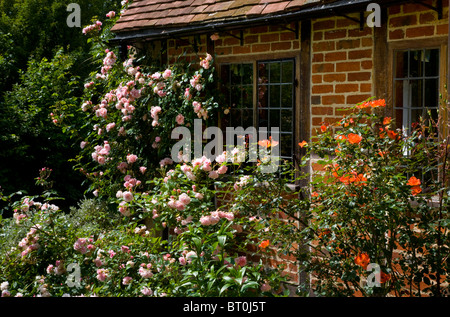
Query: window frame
[432, 43]
[297, 128]
[436, 42]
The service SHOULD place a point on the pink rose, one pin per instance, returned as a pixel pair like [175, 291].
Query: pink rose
[213, 175]
[131, 158]
[180, 119]
[127, 196]
[167, 73]
[222, 170]
[241, 261]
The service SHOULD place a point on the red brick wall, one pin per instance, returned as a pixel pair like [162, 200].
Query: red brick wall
[341, 56]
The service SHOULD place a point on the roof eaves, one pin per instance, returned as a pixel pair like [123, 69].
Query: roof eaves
[313, 10]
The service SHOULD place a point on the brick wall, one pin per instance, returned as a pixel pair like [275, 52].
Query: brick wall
[415, 21]
[341, 68]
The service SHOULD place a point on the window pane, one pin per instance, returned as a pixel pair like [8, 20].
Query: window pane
[235, 97]
[263, 97]
[286, 96]
[286, 120]
[275, 119]
[431, 60]
[286, 145]
[275, 73]
[275, 94]
[401, 63]
[416, 93]
[431, 97]
[247, 74]
[262, 73]
[247, 118]
[287, 72]
[247, 97]
[415, 64]
[263, 118]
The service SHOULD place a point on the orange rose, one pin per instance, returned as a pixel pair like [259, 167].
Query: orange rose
[392, 134]
[384, 277]
[303, 143]
[416, 190]
[267, 143]
[354, 138]
[362, 260]
[387, 120]
[264, 244]
[413, 181]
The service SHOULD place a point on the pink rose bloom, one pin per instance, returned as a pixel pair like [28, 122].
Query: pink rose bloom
[221, 158]
[241, 261]
[197, 106]
[207, 166]
[110, 126]
[190, 255]
[156, 76]
[205, 220]
[167, 73]
[98, 262]
[146, 291]
[182, 260]
[222, 170]
[184, 198]
[179, 205]
[199, 196]
[50, 269]
[83, 144]
[102, 274]
[142, 169]
[127, 196]
[131, 158]
[213, 175]
[179, 119]
[126, 280]
[157, 139]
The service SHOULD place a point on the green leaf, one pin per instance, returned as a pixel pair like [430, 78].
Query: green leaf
[222, 239]
[224, 288]
[251, 284]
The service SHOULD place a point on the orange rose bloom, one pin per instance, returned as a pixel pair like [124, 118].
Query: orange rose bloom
[268, 143]
[387, 120]
[392, 134]
[416, 190]
[303, 143]
[384, 277]
[354, 138]
[323, 128]
[362, 260]
[264, 244]
[413, 181]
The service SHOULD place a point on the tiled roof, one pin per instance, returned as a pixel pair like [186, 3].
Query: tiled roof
[157, 14]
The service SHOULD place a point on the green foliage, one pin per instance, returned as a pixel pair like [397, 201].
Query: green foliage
[38, 142]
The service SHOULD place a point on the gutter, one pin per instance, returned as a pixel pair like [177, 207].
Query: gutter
[317, 11]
